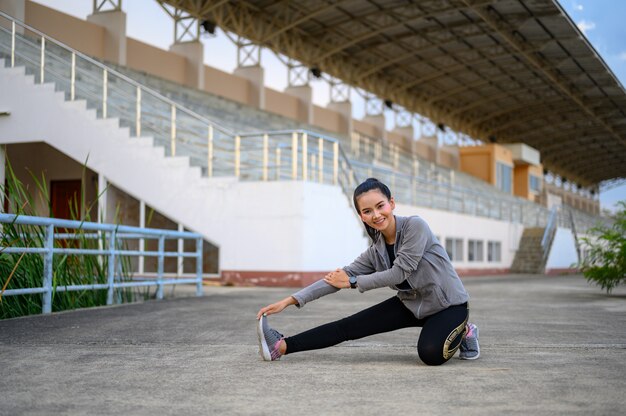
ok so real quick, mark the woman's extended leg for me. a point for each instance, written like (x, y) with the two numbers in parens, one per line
(383, 317)
(441, 334)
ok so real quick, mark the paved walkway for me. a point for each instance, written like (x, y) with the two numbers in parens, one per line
(550, 345)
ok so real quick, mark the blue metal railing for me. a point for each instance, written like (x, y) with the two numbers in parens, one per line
(111, 234)
(548, 233)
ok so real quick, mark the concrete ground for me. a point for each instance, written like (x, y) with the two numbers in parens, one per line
(549, 345)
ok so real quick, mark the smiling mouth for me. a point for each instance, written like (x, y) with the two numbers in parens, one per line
(379, 221)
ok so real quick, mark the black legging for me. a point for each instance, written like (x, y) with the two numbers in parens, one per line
(438, 341)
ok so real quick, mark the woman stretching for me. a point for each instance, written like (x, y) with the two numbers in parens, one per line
(404, 255)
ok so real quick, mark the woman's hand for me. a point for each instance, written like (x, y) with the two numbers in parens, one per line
(338, 279)
(276, 307)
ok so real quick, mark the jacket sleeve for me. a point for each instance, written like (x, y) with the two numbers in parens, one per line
(362, 265)
(408, 257)
(313, 291)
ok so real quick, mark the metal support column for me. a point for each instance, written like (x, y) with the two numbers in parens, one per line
(46, 301)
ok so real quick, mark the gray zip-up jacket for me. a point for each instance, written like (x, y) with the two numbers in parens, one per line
(420, 260)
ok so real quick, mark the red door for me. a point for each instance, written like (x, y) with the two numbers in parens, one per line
(66, 201)
(66, 204)
(6, 196)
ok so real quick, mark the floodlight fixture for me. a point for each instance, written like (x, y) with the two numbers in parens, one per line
(316, 72)
(208, 26)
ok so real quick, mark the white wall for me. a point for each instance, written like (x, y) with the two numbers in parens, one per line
(450, 224)
(282, 226)
(333, 235)
(563, 253)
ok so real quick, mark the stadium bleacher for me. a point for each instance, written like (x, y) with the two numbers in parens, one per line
(430, 185)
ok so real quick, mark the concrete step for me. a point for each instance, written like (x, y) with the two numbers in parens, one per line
(529, 257)
(143, 141)
(534, 232)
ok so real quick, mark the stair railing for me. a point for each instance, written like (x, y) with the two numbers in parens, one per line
(112, 94)
(181, 131)
(573, 226)
(296, 155)
(548, 234)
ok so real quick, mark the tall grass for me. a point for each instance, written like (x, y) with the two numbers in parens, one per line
(26, 271)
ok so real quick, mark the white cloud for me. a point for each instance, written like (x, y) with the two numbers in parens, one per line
(622, 56)
(578, 7)
(586, 26)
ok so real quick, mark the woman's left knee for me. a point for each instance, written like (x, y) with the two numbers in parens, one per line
(431, 354)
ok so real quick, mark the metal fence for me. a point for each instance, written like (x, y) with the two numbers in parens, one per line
(110, 249)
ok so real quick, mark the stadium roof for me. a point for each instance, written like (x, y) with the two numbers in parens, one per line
(501, 70)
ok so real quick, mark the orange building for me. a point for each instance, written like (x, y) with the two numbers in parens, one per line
(492, 163)
(527, 173)
(512, 168)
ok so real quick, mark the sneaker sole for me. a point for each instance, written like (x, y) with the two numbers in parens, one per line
(264, 350)
(478, 345)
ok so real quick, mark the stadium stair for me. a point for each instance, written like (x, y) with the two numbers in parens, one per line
(530, 257)
(128, 162)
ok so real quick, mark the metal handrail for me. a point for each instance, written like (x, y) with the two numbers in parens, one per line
(548, 234)
(575, 234)
(110, 233)
(117, 74)
(209, 125)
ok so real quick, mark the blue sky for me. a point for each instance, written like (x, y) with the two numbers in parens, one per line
(602, 22)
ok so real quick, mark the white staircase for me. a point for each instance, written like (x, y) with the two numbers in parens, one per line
(256, 225)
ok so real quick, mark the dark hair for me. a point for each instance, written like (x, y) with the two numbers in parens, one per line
(369, 185)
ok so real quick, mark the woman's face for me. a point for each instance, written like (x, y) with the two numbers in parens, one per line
(376, 210)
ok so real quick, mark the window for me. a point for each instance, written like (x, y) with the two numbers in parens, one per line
(494, 248)
(504, 177)
(535, 183)
(454, 247)
(475, 250)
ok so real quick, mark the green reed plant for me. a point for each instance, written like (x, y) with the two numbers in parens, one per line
(26, 270)
(605, 263)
